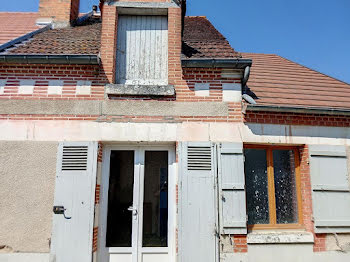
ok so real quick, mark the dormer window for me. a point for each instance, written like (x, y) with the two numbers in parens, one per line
(142, 50)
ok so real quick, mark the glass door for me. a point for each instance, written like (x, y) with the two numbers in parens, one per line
(137, 227)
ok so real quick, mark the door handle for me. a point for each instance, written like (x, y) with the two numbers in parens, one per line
(60, 210)
(133, 210)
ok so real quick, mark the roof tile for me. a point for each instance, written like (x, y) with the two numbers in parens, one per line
(277, 81)
(16, 24)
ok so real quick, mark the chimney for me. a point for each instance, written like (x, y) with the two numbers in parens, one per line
(60, 13)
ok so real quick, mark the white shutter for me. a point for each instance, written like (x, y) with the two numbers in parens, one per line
(232, 197)
(74, 193)
(330, 188)
(197, 203)
(142, 50)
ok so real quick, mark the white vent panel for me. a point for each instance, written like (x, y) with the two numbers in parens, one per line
(199, 158)
(75, 158)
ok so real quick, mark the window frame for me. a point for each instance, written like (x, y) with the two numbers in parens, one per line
(271, 188)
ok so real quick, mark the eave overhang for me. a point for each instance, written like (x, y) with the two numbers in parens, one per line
(299, 110)
(217, 63)
(50, 59)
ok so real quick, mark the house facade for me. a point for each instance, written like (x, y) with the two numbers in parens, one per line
(139, 134)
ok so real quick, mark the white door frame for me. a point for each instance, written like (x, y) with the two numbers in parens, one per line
(103, 251)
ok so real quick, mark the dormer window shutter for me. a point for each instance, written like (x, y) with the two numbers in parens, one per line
(142, 50)
(329, 168)
(232, 196)
(73, 210)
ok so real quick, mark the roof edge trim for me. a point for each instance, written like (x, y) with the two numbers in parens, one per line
(23, 37)
(214, 63)
(50, 59)
(300, 110)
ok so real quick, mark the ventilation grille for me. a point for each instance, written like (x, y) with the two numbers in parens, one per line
(199, 158)
(74, 158)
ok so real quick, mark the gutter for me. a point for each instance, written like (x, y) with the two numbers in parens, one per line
(23, 38)
(300, 110)
(213, 63)
(50, 59)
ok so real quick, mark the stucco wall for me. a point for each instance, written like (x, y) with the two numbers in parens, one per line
(27, 178)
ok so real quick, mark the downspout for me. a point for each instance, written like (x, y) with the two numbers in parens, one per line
(244, 82)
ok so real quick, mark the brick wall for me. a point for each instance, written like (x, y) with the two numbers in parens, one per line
(42, 74)
(60, 10)
(296, 119)
(109, 42)
(240, 244)
(306, 192)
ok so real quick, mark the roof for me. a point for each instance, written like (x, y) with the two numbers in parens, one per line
(202, 40)
(274, 81)
(16, 24)
(277, 81)
(82, 39)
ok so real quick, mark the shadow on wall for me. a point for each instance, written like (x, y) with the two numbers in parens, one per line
(298, 131)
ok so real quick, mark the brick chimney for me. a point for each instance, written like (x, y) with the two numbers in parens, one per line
(59, 12)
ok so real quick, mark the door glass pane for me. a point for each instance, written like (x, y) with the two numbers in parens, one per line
(120, 198)
(285, 186)
(155, 206)
(255, 168)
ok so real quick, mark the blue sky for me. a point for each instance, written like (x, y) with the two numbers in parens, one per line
(315, 33)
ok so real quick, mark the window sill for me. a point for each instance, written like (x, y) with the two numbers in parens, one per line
(140, 90)
(280, 238)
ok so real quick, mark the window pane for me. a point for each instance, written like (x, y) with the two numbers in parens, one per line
(255, 168)
(155, 205)
(285, 186)
(120, 198)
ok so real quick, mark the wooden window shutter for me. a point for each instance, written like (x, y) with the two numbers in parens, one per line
(232, 196)
(73, 211)
(142, 50)
(330, 188)
(197, 202)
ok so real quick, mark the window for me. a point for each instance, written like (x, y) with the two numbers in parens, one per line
(272, 187)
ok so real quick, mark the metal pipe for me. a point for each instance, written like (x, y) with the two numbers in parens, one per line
(214, 63)
(301, 110)
(50, 59)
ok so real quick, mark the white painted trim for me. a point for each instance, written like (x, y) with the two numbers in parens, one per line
(280, 238)
(26, 87)
(202, 89)
(103, 251)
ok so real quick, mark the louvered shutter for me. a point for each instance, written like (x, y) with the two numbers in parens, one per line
(197, 203)
(232, 197)
(75, 192)
(330, 188)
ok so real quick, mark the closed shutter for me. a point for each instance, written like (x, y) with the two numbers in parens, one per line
(330, 188)
(232, 197)
(197, 203)
(142, 50)
(74, 202)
